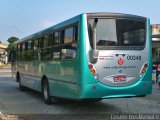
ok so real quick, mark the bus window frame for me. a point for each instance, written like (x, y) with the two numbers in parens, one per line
(64, 44)
(51, 43)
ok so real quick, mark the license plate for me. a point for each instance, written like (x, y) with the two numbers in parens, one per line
(120, 78)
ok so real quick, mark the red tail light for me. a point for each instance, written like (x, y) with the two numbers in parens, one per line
(88, 15)
(144, 69)
(145, 65)
(92, 69)
(90, 66)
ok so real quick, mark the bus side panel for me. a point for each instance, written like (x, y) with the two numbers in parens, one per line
(63, 78)
(27, 74)
(14, 70)
(63, 89)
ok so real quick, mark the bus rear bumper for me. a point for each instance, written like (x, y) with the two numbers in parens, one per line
(99, 90)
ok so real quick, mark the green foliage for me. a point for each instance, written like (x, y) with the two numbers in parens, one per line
(11, 40)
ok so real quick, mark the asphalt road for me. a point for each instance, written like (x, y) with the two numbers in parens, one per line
(28, 105)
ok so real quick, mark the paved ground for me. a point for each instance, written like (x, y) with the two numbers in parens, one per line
(155, 96)
(5, 72)
(29, 105)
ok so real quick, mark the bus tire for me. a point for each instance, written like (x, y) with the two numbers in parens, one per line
(93, 100)
(96, 100)
(45, 92)
(21, 87)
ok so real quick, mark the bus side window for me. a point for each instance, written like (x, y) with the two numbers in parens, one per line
(23, 52)
(20, 52)
(36, 44)
(45, 41)
(41, 42)
(35, 49)
(69, 45)
(32, 45)
(50, 40)
(56, 45)
(46, 51)
(56, 38)
(11, 56)
(29, 52)
(14, 54)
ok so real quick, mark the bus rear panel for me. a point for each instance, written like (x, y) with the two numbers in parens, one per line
(120, 66)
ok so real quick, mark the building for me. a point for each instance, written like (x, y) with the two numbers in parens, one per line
(3, 54)
(156, 42)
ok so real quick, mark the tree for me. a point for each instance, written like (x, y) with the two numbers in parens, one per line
(11, 40)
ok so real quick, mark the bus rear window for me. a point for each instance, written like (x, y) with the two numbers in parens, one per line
(119, 34)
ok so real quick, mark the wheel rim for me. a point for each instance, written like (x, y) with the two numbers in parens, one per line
(45, 92)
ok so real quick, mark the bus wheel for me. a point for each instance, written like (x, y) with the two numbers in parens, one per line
(45, 92)
(21, 87)
(93, 100)
(96, 100)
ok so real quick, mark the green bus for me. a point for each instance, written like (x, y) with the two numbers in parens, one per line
(91, 56)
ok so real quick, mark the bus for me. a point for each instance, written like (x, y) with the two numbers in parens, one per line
(92, 56)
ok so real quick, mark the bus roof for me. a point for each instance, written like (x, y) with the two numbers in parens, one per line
(115, 15)
(76, 18)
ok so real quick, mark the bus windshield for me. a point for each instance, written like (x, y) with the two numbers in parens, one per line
(118, 34)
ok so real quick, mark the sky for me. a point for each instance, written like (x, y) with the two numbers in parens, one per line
(21, 18)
